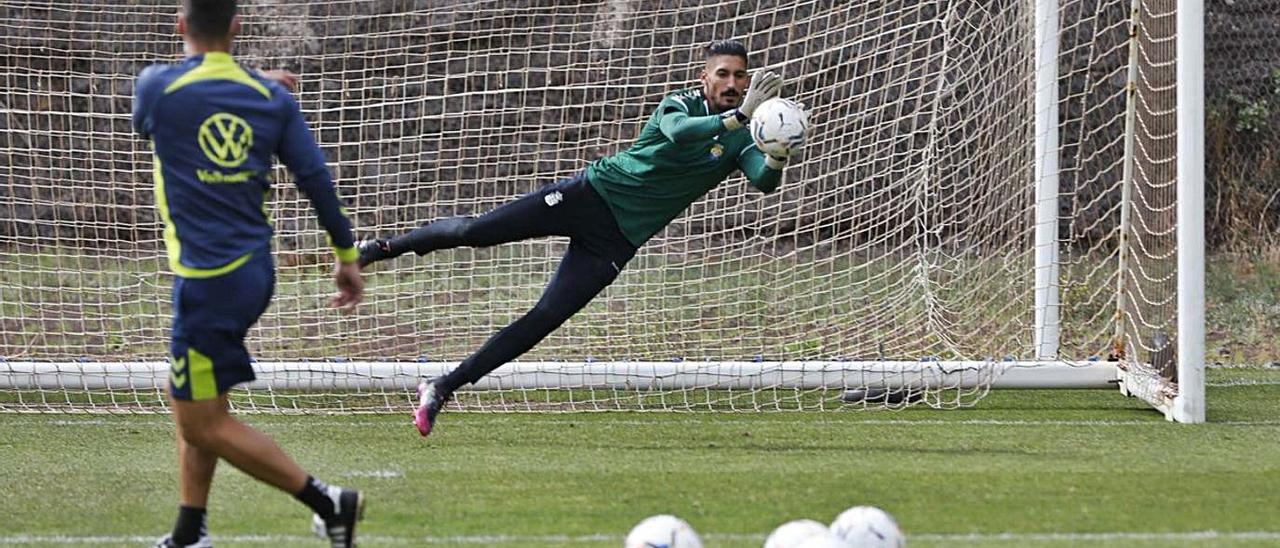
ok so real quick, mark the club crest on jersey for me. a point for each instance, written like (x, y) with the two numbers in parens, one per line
(553, 198)
(717, 150)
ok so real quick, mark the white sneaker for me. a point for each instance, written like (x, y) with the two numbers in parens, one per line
(205, 541)
(341, 532)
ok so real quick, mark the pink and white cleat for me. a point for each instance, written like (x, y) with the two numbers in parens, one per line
(430, 401)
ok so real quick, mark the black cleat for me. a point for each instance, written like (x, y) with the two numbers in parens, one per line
(430, 401)
(373, 250)
(348, 510)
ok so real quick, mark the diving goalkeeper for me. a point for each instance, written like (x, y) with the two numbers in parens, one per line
(695, 140)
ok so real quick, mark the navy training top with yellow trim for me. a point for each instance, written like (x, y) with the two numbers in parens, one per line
(214, 128)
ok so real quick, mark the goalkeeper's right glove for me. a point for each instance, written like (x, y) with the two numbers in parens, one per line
(763, 87)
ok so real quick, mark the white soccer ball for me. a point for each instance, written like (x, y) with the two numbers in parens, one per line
(868, 527)
(663, 531)
(794, 533)
(779, 126)
(826, 539)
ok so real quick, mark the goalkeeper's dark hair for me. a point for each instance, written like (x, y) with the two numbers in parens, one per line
(727, 47)
(209, 19)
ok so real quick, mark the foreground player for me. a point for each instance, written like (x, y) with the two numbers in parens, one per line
(214, 128)
(693, 142)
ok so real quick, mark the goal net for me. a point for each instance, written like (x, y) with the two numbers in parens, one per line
(933, 239)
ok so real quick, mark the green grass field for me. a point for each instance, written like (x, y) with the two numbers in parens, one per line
(1040, 468)
(57, 306)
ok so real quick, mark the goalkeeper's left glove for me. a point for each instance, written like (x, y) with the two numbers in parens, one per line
(763, 87)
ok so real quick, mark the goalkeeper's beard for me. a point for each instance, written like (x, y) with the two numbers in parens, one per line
(728, 102)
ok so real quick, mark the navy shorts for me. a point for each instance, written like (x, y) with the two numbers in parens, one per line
(210, 319)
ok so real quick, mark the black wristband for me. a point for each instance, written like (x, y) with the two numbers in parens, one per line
(735, 119)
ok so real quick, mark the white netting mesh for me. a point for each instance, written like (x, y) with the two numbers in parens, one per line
(1149, 285)
(905, 231)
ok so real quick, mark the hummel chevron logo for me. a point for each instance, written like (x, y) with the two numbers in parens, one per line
(178, 372)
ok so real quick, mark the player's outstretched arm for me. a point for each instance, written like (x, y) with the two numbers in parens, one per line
(299, 152)
(681, 128)
(762, 170)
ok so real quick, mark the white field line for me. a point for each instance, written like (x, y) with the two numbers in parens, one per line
(598, 538)
(1244, 382)
(319, 420)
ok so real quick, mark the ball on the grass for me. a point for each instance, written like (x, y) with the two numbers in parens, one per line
(663, 531)
(868, 527)
(825, 540)
(793, 533)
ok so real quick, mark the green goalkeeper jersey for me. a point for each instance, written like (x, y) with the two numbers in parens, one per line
(682, 153)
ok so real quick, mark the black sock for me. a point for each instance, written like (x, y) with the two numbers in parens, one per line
(452, 381)
(190, 525)
(393, 247)
(433, 236)
(314, 494)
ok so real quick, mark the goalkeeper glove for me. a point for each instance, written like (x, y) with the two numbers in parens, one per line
(763, 87)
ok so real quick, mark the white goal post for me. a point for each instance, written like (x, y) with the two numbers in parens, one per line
(995, 194)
